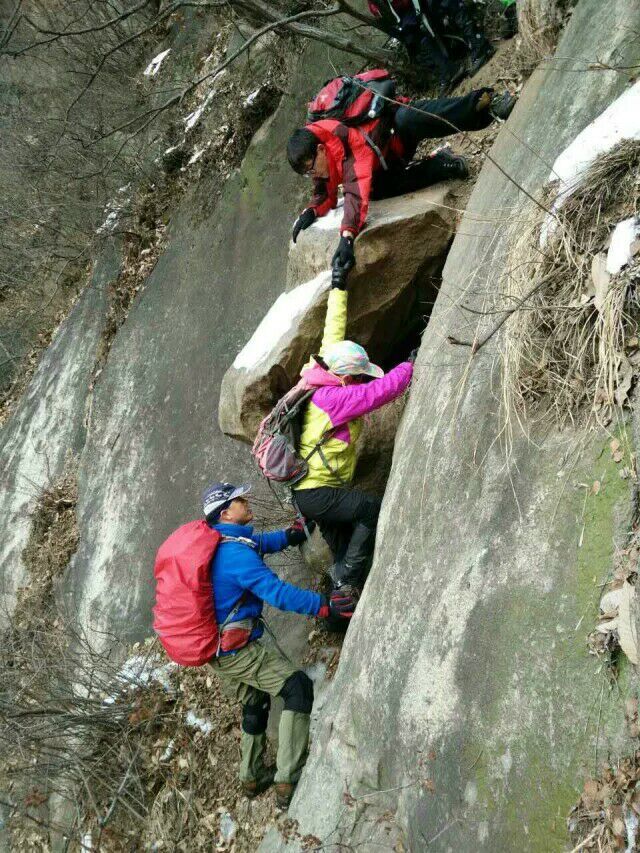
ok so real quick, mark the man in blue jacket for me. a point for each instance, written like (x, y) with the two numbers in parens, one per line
(250, 671)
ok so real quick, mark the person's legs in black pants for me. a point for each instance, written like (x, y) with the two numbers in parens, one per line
(437, 117)
(400, 179)
(335, 510)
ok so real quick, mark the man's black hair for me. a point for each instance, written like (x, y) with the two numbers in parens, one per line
(301, 149)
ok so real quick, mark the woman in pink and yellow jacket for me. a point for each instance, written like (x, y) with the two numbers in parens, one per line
(349, 386)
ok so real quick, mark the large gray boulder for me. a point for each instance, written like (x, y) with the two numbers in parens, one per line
(48, 427)
(399, 253)
(466, 711)
(153, 442)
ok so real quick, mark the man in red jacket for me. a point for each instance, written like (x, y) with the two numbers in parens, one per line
(372, 160)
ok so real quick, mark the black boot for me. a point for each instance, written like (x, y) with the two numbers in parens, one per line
(443, 166)
(509, 24)
(480, 48)
(351, 570)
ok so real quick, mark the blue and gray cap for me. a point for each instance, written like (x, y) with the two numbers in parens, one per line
(218, 495)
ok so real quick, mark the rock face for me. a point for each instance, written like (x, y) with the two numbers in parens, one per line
(399, 255)
(467, 656)
(150, 440)
(50, 421)
(153, 442)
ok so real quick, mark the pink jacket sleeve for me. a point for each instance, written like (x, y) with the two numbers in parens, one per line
(352, 401)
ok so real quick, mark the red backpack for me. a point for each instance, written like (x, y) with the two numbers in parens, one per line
(345, 99)
(184, 617)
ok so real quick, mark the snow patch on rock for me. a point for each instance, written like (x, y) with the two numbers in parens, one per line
(621, 120)
(154, 66)
(280, 319)
(332, 220)
(622, 239)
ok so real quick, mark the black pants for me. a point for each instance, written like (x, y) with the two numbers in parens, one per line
(437, 117)
(400, 179)
(337, 511)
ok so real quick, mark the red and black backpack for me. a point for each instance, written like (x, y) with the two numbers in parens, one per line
(350, 100)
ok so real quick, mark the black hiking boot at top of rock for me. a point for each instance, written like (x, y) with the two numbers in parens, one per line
(502, 105)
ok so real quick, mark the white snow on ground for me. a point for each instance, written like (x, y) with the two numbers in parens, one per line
(205, 726)
(251, 98)
(621, 120)
(193, 118)
(109, 224)
(332, 220)
(619, 254)
(141, 670)
(280, 319)
(197, 154)
(154, 66)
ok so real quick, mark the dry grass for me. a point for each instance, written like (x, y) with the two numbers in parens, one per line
(568, 349)
(539, 25)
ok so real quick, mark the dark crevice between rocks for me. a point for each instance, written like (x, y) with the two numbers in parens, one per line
(378, 439)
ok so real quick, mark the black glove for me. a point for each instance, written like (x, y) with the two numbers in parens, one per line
(306, 218)
(413, 355)
(296, 534)
(344, 256)
(341, 605)
(339, 277)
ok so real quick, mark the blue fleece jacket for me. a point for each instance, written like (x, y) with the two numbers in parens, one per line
(238, 568)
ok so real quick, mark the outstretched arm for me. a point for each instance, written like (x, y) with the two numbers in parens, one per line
(335, 324)
(271, 542)
(352, 401)
(267, 586)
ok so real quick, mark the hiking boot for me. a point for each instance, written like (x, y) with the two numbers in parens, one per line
(284, 794)
(509, 23)
(450, 76)
(501, 105)
(481, 53)
(452, 165)
(260, 785)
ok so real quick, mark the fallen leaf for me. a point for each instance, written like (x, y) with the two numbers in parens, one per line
(624, 381)
(595, 489)
(618, 456)
(601, 279)
(591, 788)
(631, 707)
(610, 601)
(614, 445)
(627, 631)
(625, 473)
(618, 827)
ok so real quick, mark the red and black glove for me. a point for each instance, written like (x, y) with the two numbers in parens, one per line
(296, 534)
(341, 605)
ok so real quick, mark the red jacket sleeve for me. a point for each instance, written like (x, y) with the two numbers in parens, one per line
(357, 174)
(323, 199)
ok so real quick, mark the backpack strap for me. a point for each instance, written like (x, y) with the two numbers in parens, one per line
(326, 435)
(374, 148)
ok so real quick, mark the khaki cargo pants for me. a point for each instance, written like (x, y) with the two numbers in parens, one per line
(246, 675)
